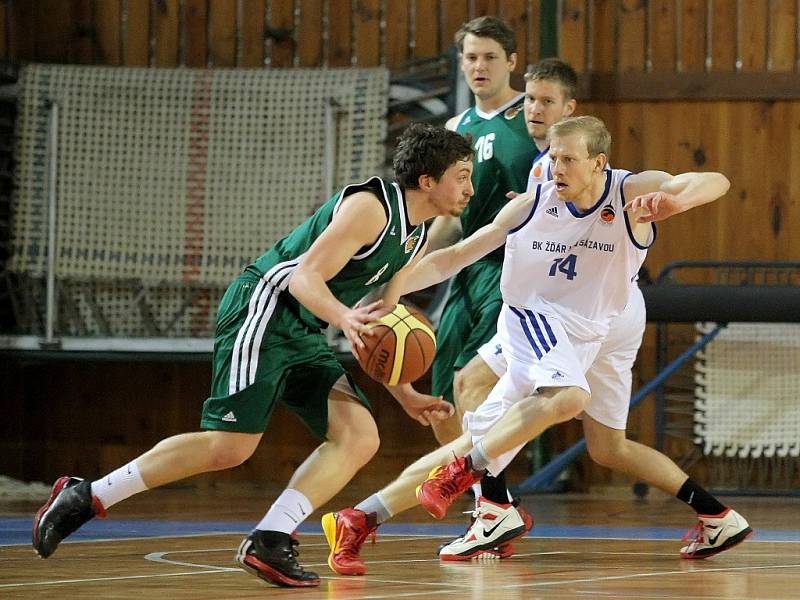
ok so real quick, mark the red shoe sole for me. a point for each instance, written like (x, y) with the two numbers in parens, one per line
(715, 551)
(267, 573)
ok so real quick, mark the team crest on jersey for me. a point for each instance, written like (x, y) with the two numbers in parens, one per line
(377, 275)
(607, 214)
(537, 171)
(411, 243)
(512, 112)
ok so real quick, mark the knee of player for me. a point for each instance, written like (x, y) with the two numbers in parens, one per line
(470, 389)
(601, 454)
(225, 452)
(571, 402)
(606, 452)
(361, 443)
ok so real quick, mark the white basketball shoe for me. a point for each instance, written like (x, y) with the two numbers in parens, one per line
(715, 533)
(494, 526)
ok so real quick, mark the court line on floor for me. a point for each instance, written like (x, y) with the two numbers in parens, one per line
(454, 588)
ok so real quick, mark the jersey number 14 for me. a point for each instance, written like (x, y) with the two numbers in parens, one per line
(565, 265)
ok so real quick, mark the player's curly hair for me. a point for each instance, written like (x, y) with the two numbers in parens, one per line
(424, 149)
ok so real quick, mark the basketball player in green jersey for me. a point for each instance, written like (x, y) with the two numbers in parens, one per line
(269, 347)
(506, 146)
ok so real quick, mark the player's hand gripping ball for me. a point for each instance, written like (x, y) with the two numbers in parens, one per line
(401, 348)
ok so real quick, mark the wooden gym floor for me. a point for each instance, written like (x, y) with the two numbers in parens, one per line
(179, 543)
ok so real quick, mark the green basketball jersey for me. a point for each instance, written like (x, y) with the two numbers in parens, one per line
(371, 267)
(504, 152)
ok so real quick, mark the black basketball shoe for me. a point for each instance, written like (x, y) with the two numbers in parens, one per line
(70, 505)
(272, 556)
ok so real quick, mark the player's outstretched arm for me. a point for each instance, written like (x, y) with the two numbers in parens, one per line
(657, 195)
(358, 223)
(443, 264)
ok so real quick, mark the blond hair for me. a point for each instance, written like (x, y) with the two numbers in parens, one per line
(593, 130)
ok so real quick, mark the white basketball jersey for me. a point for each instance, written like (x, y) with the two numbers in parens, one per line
(575, 264)
(540, 169)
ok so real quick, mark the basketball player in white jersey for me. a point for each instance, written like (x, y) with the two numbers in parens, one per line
(573, 245)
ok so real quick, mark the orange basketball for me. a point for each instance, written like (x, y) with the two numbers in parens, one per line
(401, 349)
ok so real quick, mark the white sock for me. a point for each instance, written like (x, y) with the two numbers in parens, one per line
(477, 490)
(286, 513)
(118, 485)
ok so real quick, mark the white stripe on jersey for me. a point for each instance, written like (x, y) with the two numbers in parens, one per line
(246, 348)
(575, 265)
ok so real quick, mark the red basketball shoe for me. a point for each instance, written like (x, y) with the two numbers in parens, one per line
(346, 532)
(445, 484)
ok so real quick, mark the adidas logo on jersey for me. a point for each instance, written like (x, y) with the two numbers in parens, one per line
(553, 211)
(230, 417)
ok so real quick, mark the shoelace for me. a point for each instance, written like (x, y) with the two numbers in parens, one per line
(292, 552)
(695, 535)
(351, 547)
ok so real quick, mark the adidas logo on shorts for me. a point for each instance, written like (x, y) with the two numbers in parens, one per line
(230, 417)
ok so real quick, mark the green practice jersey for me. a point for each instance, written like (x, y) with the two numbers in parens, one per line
(504, 152)
(371, 267)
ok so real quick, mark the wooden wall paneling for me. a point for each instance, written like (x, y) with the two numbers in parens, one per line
(108, 24)
(693, 43)
(164, 15)
(222, 33)
(743, 166)
(396, 40)
(251, 34)
(753, 19)
(195, 33)
(84, 44)
(534, 25)
(724, 35)
(340, 42)
(136, 33)
(603, 36)
(479, 8)
(367, 32)
(51, 30)
(5, 39)
(775, 168)
(454, 14)
(787, 250)
(281, 22)
(664, 32)
(783, 33)
(515, 12)
(631, 35)
(572, 32)
(309, 49)
(425, 26)
(629, 142)
(22, 18)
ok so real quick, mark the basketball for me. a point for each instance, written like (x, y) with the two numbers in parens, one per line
(401, 349)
